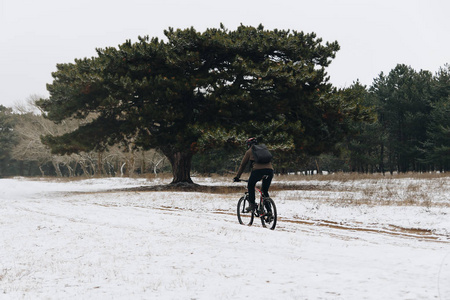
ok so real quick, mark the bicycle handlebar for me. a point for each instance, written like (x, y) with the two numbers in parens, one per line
(239, 180)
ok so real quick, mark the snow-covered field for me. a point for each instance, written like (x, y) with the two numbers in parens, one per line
(364, 239)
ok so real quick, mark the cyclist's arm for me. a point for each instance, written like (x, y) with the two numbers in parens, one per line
(243, 163)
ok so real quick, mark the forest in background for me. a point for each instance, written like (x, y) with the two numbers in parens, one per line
(188, 102)
(411, 133)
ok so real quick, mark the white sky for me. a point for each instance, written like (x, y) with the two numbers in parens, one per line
(374, 35)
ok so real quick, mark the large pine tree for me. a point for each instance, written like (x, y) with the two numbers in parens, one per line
(196, 90)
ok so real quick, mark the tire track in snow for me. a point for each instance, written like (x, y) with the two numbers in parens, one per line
(390, 230)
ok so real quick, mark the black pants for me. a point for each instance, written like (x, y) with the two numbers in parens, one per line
(256, 176)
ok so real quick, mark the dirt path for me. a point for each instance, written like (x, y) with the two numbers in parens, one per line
(389, 230)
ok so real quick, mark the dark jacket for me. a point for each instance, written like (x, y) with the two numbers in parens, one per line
(255, 166)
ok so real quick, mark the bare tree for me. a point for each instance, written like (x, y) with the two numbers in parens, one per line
(124, 160)
(29, 130)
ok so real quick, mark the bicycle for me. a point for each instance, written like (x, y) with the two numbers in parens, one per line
(266, 210)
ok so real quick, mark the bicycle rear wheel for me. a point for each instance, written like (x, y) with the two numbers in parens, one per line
(269, 219)
(245, 218)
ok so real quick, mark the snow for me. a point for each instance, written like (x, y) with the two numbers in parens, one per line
(83, 240)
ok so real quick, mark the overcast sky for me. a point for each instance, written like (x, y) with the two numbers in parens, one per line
(374, 35)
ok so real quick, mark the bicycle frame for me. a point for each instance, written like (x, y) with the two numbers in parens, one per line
(267, 214)
(261, 200)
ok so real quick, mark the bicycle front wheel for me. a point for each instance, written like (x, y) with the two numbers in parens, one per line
(269, 219)
(244, 217)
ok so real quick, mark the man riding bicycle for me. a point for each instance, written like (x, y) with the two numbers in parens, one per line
(259, 171)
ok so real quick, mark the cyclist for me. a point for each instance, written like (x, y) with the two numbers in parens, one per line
(259, 171)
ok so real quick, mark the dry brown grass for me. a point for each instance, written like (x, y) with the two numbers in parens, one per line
(424, 190)
(344, 177)
(340, 189)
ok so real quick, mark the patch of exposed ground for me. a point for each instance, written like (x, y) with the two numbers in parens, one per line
(225, 189)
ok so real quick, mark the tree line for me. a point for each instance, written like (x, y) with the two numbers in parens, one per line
(24, 154)
(409, 131)
(189, 102)
(412, 128)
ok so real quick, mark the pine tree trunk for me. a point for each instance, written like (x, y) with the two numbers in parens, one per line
(57, 169)
(42, 171)
(83, 167)
(181, 165)
(100, 166)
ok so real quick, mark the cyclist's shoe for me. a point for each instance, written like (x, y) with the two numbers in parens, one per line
(269, 217)
(260, 211)
(250, 208)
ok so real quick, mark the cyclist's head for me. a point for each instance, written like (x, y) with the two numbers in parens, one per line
(251, 141)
